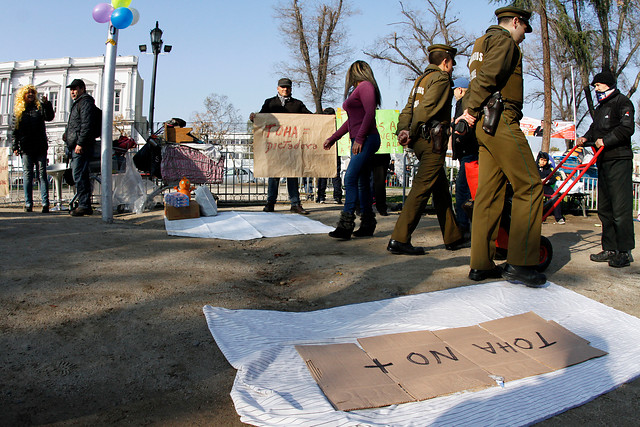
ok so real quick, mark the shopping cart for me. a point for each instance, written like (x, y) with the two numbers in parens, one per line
(581, 169)
(199, 163)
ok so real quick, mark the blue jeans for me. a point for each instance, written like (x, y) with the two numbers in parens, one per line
(80, 168)
(40, 165)
(292, 188)
(357, 179)
(463, 193)
(307, 184)
(336, 181)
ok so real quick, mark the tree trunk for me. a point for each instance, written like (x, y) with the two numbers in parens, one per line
(546, 60)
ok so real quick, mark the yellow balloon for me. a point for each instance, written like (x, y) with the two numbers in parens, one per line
(120, 3)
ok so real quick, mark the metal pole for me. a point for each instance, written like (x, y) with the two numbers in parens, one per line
(106, 151)
(153, 88)
(573, 95)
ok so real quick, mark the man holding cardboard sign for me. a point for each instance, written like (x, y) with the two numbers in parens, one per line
(283, 102)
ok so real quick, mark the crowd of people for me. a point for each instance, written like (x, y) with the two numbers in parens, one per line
(485, 134)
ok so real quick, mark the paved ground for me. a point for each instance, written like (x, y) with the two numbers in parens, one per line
(103, 324)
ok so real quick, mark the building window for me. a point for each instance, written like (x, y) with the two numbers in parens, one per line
(53, 97)
(116, 103)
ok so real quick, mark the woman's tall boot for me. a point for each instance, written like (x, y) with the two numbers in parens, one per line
(367, 225)
(345, 226)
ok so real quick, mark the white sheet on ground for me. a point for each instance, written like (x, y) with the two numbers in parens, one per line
(234, 225)
(274, 387)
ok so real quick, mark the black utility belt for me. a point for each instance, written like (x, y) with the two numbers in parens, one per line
(427, 130)
(435, 132)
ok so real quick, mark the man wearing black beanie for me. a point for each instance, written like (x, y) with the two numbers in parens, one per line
(612, 127)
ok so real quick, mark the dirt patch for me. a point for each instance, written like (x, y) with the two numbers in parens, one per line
(103, 323)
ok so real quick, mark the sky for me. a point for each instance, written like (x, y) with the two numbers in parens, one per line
(229, 48)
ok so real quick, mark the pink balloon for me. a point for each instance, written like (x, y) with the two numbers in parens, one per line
(102, 12)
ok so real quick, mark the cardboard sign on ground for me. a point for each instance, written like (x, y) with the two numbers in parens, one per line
(342, 373)
(291, 145)
(425, 365)
(496, 357)
(546, 342)
(412, 366)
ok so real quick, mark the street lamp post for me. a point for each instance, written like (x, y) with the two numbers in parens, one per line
(156, 47)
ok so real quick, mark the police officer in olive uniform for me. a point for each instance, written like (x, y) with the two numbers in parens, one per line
(424, 125)
(505, 156)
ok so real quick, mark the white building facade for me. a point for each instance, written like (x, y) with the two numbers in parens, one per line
(51, 77)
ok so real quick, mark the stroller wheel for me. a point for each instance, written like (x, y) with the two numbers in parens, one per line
(546, 254)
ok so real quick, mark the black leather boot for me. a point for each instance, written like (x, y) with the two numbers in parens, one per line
(367, 225)
(345, 226)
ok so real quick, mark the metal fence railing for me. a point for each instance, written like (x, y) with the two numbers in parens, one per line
(239, 186)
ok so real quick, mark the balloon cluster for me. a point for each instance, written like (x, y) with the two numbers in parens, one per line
(118, 12)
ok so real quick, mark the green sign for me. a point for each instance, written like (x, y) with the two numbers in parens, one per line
(386, 122)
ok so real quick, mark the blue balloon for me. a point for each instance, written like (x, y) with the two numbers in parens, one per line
(121, 17)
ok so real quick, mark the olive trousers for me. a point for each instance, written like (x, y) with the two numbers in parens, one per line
(506, 157)
(431, 178)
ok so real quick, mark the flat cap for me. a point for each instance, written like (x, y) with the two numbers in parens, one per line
(516, 12)
(284, 82)
(605, 77)
(76, 83)
(442, 47)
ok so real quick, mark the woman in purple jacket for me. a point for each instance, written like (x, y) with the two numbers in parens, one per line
(362, 97)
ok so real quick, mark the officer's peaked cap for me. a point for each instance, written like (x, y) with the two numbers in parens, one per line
(442, 47)
(516, 12)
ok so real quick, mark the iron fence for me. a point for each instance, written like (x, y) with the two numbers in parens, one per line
(240, 187)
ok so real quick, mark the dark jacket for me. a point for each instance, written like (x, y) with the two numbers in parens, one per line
(30, 135)
(428, 102)
(613, 121)
(79, 125)
(291, 105)
(547, 170)
(462, 145)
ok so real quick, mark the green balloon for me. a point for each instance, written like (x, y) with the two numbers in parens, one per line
(120, 3)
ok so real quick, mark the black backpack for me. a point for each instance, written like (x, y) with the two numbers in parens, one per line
(96, 122)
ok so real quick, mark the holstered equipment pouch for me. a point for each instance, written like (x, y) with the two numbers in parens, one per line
(492, 112)
(438, 137)
(436, 133)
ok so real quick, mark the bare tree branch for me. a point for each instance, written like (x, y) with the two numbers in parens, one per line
(407, 47)
(316, 37)
(217, 120)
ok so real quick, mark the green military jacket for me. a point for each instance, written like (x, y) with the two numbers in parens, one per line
(495, 65)
(430, 99)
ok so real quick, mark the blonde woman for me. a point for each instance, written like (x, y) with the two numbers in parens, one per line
(30, 141)
(361, 99)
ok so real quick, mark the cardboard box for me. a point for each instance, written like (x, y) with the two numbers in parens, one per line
(173, 134)
(191, 211)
